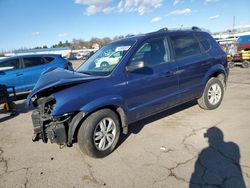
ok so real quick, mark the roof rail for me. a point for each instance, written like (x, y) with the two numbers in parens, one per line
(195, 28)
(129, 35)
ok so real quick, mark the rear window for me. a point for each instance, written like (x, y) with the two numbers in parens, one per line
(49, 59)
(33, 61)
(185, 45)
(9, 65)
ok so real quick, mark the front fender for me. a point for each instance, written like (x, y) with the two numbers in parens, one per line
(112, 100)
(102, 102)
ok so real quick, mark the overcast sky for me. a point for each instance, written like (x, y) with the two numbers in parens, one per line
(30, 23)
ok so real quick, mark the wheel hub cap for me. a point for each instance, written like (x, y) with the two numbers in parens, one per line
(214, 94)
(104, 134)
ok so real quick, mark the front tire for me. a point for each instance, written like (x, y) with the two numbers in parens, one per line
(99, 133)
(212, 95)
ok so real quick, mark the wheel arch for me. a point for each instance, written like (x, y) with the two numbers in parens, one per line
(216, 71)
(82, 115)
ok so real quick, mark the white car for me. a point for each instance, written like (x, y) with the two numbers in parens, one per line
(81, 55)
(112, 59)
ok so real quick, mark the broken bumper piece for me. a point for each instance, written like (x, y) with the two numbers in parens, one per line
(48, 128)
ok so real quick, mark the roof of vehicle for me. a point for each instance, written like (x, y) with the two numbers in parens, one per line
(40, 50)
(244, 39)
(160, 32)
(29, 55)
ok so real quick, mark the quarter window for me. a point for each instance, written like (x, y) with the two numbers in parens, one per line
(185, 45)
(153, 52)
(33, 61)
(204, 42)
(9, 65)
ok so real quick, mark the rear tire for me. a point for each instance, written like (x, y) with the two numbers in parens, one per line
(212, 95)
(99, 133)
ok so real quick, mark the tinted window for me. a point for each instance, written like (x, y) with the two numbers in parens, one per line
(204, 42)
(153, 52)
(49, 59)
(185, 45)
(9, 65)
(33, 61)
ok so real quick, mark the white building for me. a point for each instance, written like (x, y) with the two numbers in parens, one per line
(62, 51)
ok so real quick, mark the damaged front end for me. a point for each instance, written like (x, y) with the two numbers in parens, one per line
(47, 127)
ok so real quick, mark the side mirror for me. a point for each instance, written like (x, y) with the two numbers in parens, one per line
(135, 66)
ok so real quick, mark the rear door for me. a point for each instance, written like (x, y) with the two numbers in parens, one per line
(154, 87)
(33, 67)
(10, 71)
(193, 64)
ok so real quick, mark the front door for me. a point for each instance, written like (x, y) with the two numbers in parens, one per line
(154, 87)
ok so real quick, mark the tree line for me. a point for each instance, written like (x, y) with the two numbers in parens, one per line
(81, 43)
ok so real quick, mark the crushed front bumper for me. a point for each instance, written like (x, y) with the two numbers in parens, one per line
(48, 128)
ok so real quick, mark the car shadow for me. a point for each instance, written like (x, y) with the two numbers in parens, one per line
(218, 165)
(19, 108)
(136, 127)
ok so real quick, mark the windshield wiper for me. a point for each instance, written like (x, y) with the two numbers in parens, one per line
(84, 72)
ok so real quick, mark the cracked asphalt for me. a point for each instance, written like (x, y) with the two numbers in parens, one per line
(166, 150)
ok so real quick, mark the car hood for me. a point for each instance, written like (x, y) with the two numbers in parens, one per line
(58, 78)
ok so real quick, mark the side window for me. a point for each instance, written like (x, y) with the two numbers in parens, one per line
(204, 42)
(33, 61)
(153, 52)
(48, 59)
(185, 45)
(9, 65)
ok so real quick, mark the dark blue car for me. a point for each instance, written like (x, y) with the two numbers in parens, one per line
(155, 71)
(22, 72)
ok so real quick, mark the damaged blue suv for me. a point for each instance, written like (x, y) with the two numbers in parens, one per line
(126, 81)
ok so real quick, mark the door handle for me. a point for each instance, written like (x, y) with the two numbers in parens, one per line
(19, 74)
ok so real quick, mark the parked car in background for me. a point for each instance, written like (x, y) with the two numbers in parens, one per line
(156, 71)
(22, 72)
(72, 56)
(82, 55)
(243, 42)
(112, 59)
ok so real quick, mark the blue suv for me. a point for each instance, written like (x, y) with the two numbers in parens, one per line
(154, 72)
(22, 72)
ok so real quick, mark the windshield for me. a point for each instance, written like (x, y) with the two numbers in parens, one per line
(103, 62)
